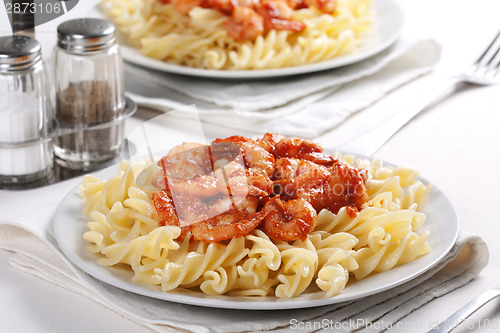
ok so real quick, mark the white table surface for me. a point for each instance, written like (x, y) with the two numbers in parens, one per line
(455, 145)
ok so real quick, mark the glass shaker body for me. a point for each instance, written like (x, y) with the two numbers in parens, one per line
(89, 85)
(26, 113)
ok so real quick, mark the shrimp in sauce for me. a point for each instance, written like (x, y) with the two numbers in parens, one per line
(325, 6)
(185, 6)
(239, 221)
(256, 157)
(294, 176)
(204, 170)
(228, 6)
(183, 162)
(226, 226)
(345, 187)
(269, 141)
(277, 15)
(302, 149)
(248, 19)
(167, 213)
(276, 183)
(244, 24)
(288, 221)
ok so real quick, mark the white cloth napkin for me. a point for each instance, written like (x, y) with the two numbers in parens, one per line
(35, 251)
(305, 105)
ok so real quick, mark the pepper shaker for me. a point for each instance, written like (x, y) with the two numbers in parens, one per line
(26, 113)
(89, 86)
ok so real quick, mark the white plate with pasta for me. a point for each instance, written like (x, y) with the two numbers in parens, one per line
(440, 229)
(386, 27)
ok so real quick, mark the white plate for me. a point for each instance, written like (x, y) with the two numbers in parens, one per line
(70, 225)
(388, 27)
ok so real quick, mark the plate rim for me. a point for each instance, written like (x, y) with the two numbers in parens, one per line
(93, 269)
(133, 56)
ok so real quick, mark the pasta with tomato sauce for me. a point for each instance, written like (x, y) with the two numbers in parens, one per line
(275, 216)
(242, 34)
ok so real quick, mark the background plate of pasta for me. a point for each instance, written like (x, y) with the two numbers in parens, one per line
(308, 228)
(251, 38)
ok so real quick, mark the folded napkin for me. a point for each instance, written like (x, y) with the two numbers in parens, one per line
(35, 251)
(305, 105)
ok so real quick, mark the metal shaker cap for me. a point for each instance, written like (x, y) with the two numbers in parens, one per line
(85, 35)
(18, 53)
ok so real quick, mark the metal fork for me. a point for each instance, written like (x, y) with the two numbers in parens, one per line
(450, 323)
(484, 71)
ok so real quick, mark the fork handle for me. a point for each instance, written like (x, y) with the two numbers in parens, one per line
(461, 315)
(367, 144)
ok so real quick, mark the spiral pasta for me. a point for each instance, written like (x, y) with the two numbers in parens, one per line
(199, 39)
(385, 233)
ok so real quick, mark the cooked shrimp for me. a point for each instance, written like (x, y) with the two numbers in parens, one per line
(228, 218)
(226, 226)
(353, 182)
(191, 172)
(237, 180)
(190, 209)
(226, 155)
(243, 183)
(234, 184)
(269, 141)
(296, 4)
(239, 221)
(228, 6)
(256, 158)
(201, 185)
(247, 205)
(244, 24)
(294, 176)
(185, 6)
(326, 6)
(165, 208)
(256, 178)
(186, 161)
(188, 169)
(302, 149)
(160, 181)
(277, 15)
(259, 181)
(232, 179)
(288, 221)
(293, 168)
(345, 186)
(248, 19)
(183, 162)
(167, 213)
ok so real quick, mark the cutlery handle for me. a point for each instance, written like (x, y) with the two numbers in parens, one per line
(367, 144)
(461, 315)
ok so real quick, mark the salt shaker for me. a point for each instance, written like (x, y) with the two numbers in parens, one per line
(89, 86)
(26, 114)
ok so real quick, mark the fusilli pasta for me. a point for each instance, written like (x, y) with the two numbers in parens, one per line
(123, 229)
(199, 39)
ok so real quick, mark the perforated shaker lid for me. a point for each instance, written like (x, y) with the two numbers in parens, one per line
(18, 53)
(85, 35)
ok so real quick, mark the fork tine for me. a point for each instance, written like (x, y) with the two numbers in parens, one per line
(488, 49)
(493, 58)
(496, 62)
(490, 68)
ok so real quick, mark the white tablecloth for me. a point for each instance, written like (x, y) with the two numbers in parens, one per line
(455, 145)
